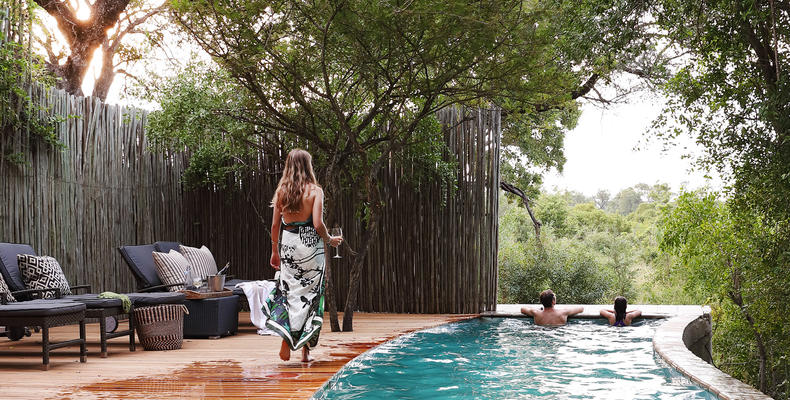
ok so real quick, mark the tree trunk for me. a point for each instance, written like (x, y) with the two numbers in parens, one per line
(359, 260)
(331, 302)
(737, 298)
(107, 73)
(369, 235)
(74, 70)
(83, 37)
(330, 205)
(520, 193)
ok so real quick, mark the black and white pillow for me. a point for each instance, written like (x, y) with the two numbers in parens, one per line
(4, 289)
(201, 259)
(171, 268)
(43, 272)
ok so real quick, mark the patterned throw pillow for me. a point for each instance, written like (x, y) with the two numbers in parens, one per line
(4, 289)
(202, 260)
(171, 267)
(43, 272)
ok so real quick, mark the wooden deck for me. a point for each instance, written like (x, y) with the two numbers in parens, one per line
(244, 366)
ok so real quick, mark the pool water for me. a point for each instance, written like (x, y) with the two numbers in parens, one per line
(512, 358)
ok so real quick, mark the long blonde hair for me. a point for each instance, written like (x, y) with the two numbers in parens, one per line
(297, 175)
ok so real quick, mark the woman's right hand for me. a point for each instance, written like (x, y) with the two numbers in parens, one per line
(335, 241)
(275, 261)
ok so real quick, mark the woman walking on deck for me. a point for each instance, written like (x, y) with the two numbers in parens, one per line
(295, 308)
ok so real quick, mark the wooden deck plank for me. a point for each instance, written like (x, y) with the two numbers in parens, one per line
(242, 366)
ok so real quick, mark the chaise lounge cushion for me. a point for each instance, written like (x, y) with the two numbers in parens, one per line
(171, 268)
(141, 261)
(40, 308)
(153, 299)
(201, 259)
(94, 301)
(9, 267)
(165, 247)
(43, 272)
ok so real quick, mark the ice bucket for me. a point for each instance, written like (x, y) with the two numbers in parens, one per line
(216, 283)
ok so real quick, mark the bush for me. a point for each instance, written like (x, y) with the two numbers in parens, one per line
(526, 269)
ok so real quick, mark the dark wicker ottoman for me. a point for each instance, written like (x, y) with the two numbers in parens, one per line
(47, 314)
(212, 318)
(158, 319)
(160, 327)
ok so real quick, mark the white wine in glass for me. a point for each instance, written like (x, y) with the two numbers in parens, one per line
(339, 233)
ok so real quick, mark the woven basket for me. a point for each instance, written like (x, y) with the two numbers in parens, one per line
(160, 327)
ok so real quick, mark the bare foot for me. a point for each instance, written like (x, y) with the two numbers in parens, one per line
(306, 355)
(285, 351)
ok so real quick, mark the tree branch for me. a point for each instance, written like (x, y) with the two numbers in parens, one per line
(520, 193)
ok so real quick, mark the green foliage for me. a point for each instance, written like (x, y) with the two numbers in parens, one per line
(609, 254)
(353, 82)
(552, 210)
(200, 113)
(625, 202)
(526, 269)
(21, 116)
(575, 45)
(585, 254)
(356, 79)
(731, 93)
(720, 255)
(586, 217)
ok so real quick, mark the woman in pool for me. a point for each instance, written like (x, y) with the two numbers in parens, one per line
(295, 308)
(618, 316)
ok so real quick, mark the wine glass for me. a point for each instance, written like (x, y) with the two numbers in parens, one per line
(336, 232)
(197, 282)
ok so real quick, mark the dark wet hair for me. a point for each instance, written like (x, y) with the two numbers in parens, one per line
(546, 297)
(620, 304)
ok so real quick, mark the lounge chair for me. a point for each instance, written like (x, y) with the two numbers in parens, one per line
(102, 309)
(46, 314)
(211, 318)
(140, 260)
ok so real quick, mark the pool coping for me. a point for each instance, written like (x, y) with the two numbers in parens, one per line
(668, 343)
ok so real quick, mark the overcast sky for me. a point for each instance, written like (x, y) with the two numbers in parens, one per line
(601, 153)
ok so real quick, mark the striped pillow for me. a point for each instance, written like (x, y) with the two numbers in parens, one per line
(202, 261)
(171, 268)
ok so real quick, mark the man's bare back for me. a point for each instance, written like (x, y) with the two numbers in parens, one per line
(550, 315)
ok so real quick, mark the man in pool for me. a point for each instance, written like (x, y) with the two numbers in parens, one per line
(550, 315)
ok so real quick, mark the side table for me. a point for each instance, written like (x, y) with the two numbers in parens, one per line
(212, 317)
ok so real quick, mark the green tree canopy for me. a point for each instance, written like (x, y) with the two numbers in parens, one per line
(730, 91)
(358, 83)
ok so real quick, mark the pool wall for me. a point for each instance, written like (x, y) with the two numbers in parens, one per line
(680, 338)
(683, 341)
(698, 337)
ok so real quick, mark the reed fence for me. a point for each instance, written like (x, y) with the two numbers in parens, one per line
(437, 248)
(102, 189)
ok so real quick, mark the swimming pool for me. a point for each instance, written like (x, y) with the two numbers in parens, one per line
(508, 358)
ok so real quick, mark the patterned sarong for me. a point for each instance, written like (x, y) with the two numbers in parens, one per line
(295, 308)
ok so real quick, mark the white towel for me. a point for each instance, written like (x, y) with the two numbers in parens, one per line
(257, 292)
